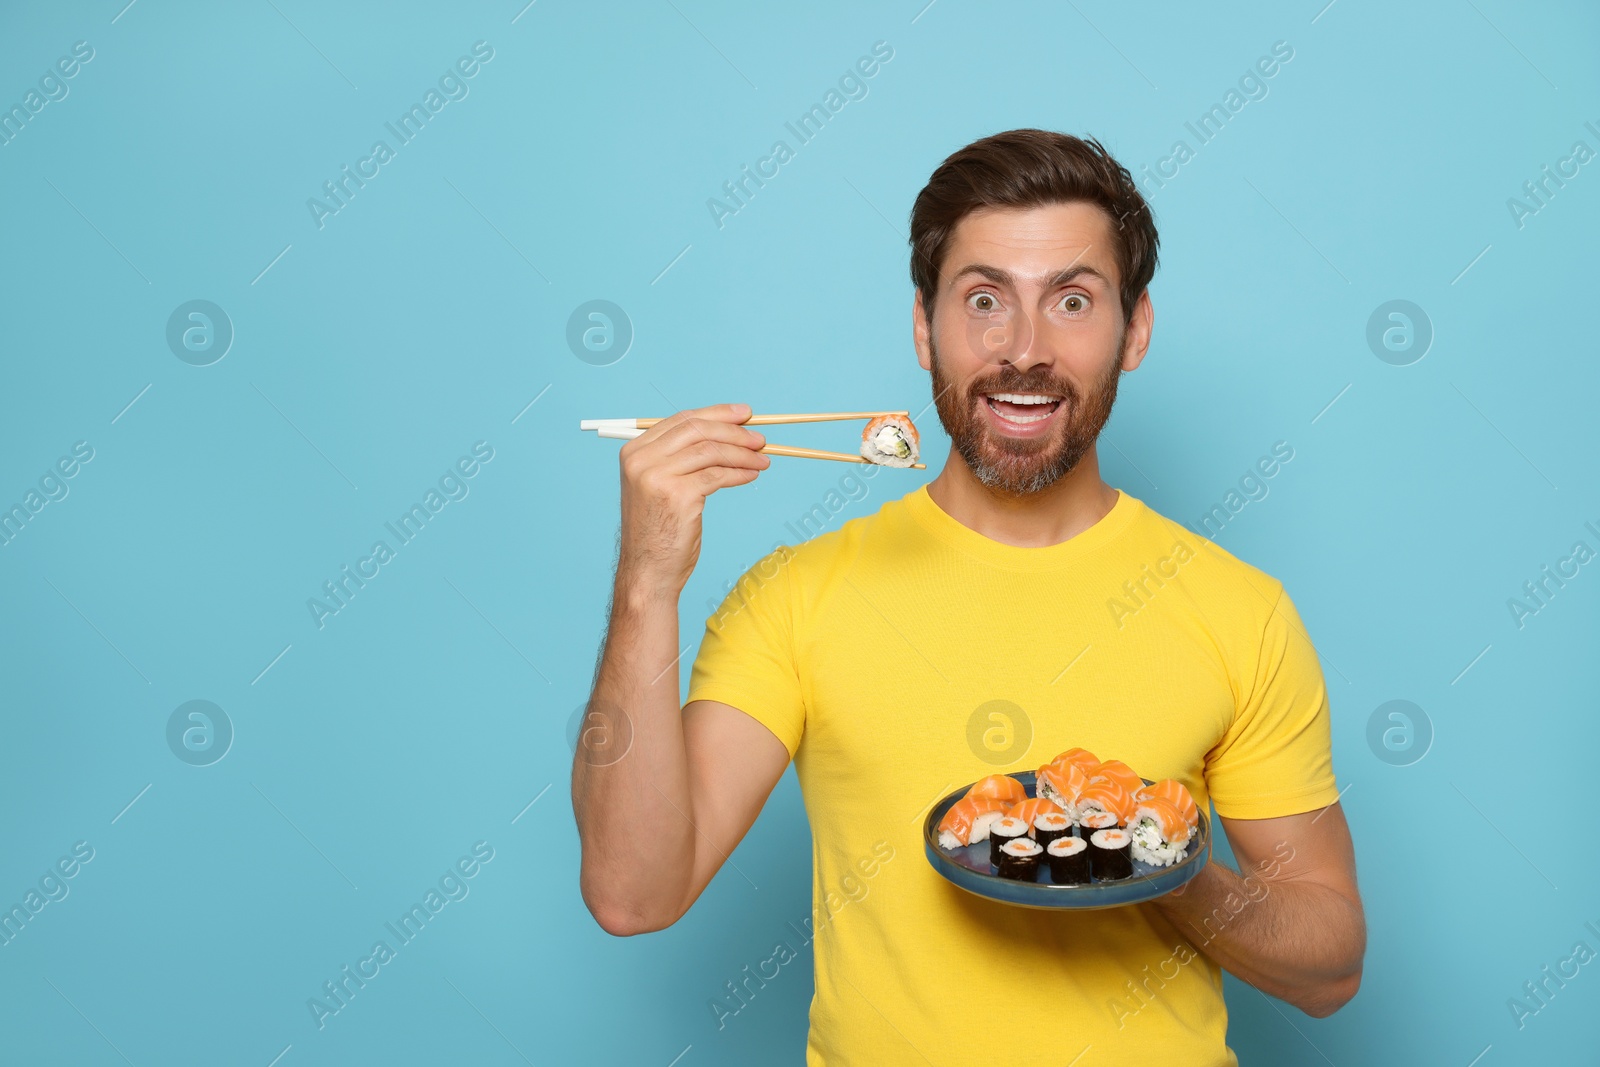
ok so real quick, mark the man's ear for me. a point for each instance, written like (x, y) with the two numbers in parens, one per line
(921, 333)
(1136, 341)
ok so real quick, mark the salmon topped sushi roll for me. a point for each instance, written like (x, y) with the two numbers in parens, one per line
(1105, 796)
(1031, 809)
(1116, 771)
(968, 821)
(1061, 781)
(1086, 761)
(1173, 791)
(1002, 787)
(1159, 832)
(891, 440)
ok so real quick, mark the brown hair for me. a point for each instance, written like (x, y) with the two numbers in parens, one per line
(1025, 168)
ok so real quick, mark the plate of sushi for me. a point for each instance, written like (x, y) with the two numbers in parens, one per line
(1077, 833)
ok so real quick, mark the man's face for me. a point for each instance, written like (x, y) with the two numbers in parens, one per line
(1028, 340)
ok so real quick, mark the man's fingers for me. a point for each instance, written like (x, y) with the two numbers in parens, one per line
(665, 439)
(702, 454)
(711, 479)
(693, 441)
(732, 414)
(659, 446)
(727, 412)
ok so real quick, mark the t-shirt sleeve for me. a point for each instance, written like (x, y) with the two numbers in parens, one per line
(1276, 757)
(747, 656)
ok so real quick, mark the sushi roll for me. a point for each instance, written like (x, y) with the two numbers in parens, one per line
(1098, 820)
(1085, 760)
(1031, 809)
(1159, 832)
(968, 821)
(890, 440)
(1069, 861)
(1110, 854)
(1106, 796)
(1060, 781)
(1173, 791)
(1002, 787)
(1123, 775)
(1050, 825)
(1019, 859)
(1002, 832)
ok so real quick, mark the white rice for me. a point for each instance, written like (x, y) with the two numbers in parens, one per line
(1148, 847)
(891, 446)
(1054, 796)
(1066, 846)
(1013, 827)
(1109, 838)
(980, 831)
(1090, 814)
(983, 824)
(1052, 821)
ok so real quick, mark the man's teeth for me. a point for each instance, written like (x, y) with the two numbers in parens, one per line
(1023, 398)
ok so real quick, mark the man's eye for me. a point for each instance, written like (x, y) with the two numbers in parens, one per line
(1075, 303)
(983, 302)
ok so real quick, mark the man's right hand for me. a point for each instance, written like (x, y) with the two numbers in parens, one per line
(667, 473)
(658, 818)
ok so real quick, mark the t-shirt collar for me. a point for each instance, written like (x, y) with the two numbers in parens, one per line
(929, 515)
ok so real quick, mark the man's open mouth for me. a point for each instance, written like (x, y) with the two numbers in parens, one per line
(1022, 409)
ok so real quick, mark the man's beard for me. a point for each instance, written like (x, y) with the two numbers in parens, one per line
(1019, 467)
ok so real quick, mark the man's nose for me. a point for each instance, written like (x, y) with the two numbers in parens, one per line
(1011, 338)
(1030, 343)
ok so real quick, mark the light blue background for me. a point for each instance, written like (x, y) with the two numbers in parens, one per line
(430, 311)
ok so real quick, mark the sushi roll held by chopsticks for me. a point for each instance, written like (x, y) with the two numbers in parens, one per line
(890, 440)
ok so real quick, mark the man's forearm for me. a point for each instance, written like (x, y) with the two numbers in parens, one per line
(631, 775)
(1298, 940)
(630, 779)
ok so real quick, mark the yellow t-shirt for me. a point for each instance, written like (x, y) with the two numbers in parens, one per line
(877, 654)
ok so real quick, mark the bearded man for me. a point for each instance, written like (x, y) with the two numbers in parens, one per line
(864, 654)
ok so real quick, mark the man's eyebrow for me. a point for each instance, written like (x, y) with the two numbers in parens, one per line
(1001, 276)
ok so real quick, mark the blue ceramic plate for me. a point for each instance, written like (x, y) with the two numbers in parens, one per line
(969, 868)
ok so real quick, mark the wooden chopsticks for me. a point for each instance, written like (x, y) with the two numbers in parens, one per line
(753, 420)
(627, 429)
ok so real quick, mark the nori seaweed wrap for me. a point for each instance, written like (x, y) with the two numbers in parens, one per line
(1111, 854)
(1019, 859)
(1069, 861)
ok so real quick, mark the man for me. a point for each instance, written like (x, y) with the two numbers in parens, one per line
(874, 656)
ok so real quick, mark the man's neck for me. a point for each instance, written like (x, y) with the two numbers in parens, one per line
(1036, 520)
